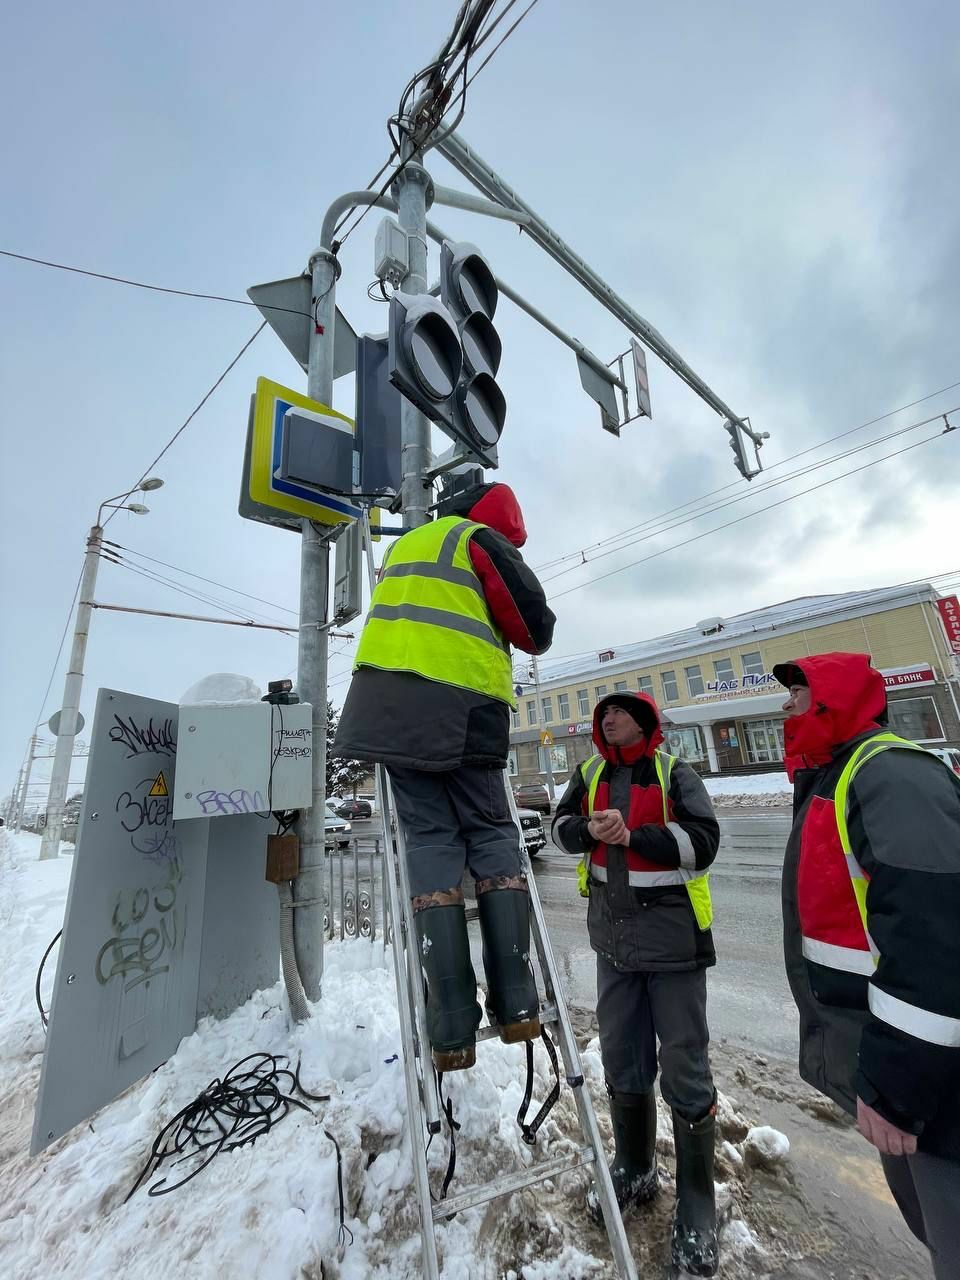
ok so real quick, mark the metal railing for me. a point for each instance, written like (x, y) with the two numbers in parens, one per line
(354, 901)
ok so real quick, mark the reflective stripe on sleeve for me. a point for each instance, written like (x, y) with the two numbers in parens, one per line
(935, 1028)
(688, 858)
(834, 957)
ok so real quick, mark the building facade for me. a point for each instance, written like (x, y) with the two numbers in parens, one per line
(715, 686)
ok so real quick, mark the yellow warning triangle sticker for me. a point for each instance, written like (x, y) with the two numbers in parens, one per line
(159, 787)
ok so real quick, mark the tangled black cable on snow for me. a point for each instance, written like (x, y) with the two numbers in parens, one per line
(43, 1013)
(231, 1113)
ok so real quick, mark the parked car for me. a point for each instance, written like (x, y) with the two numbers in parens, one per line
(355, 808)
(532, 795)
(949, 755)
(532, 827)
(336, 831)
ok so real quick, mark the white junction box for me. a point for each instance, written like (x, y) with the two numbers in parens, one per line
(242, 757)
(391, 256)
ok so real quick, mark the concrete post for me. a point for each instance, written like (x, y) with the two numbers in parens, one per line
(711, 748)
(27, 770)
(411, 188)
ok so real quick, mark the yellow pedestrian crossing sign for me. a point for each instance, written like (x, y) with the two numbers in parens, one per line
(546, 738)
(159, 787)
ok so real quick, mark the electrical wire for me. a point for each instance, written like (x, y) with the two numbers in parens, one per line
(151, 576)
(44, 1015)
(190, 574)
(549, 564)
(193, 413)
(56, 661)
(706, 533)
(154, 288)
(745, 496)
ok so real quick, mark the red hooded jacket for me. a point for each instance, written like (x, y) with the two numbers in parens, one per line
(848, 698)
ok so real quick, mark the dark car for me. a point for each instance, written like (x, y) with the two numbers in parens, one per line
(355, 809)
(533, 795)
(532, 826)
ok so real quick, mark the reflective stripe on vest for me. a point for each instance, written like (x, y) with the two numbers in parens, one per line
(924, 1024)
(698, 885)
(862, 960)
(428, 614)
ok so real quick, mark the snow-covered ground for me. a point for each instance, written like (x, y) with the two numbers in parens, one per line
(269, 1210)
(754, 790)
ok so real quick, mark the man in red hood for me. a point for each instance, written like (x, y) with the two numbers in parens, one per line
(871, 915)
(431, 696)
(643, 823)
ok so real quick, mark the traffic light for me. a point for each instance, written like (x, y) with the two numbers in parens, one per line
(742, 445)
(468, 288)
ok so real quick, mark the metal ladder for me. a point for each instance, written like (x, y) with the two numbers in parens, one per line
(423, 1102)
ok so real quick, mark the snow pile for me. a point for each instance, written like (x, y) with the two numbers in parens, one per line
(765, 1146)
(270, 1210)
(754, 790)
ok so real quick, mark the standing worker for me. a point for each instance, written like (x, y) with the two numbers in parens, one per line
(644, 824)
(431, 697)
(871, 933)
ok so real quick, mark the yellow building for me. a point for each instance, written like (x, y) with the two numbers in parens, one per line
(715, 687)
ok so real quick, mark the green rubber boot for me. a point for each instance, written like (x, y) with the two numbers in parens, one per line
(453, 1013)
(504, 908)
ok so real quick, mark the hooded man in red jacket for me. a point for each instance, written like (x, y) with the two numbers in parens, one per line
(431, 697)
(871, 917)
(644, 825)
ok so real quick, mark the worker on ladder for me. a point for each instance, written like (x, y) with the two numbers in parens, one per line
(430, 698)
(646, 832)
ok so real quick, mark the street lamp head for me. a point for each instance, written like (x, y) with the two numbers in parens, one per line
(154, 482)
(137, 508)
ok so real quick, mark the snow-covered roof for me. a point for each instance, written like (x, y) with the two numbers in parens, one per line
(785, 616)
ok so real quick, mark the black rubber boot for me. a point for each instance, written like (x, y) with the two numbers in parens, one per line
(453, 1013)
(504, 908)
(694, 1248)
(634, 1165)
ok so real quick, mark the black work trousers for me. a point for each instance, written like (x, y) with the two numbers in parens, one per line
(453, 820)
(634, 1011)
(927, 1191)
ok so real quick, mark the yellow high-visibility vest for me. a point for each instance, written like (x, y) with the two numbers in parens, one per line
(429, 616)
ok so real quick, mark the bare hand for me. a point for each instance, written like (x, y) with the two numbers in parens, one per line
(608, 827)
(880, 1133)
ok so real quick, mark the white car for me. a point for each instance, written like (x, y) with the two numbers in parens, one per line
(949, 755)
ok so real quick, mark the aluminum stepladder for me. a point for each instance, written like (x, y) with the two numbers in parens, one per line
(423, 1103)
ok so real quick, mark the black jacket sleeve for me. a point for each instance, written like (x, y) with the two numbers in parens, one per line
(569, 830)
(513, 592)
(692, 838)
(904, 823)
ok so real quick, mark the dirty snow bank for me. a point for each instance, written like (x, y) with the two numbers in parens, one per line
(270, 1210)
(753, 790)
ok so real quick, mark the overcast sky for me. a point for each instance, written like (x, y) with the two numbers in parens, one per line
(774, 188)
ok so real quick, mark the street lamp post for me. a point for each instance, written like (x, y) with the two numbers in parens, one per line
(73, 684)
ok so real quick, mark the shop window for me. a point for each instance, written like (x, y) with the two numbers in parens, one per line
(532, 711)
(583, 702)
(686, 744)
(671, 692)
(752, 663)
(620, 686)
(558, 758)
(694, 681)
(723, 668)
(764, 741)
(916, 719)
(563, 706)
(645, 684)
(547, 705)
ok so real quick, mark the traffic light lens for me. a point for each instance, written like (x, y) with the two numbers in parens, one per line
(436, 356)
(477, 287)
(482, 348)
(484, 409)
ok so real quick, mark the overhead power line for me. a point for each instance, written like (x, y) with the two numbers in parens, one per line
(190, 574)
(190, 417)
(615, 537)
(711, 509)
(706, 533)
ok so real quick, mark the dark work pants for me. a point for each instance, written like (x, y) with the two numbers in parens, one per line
(927, 1191)
(634, 1011)
(452, 820)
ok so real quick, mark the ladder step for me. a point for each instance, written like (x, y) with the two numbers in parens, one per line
(548, 1016)
(510, 1182)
